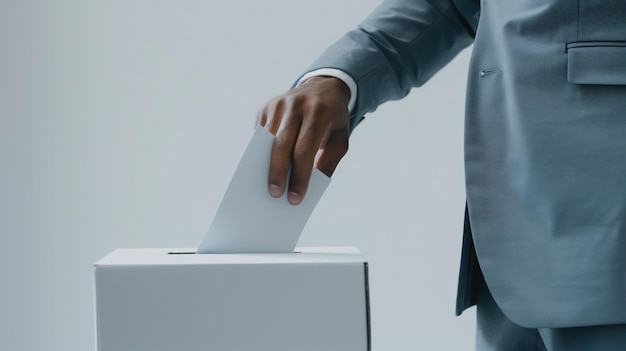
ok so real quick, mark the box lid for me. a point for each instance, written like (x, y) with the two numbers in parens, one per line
(187, 256)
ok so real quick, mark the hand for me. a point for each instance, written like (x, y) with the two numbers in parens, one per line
(310, 123)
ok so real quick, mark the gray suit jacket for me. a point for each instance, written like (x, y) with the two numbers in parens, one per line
(545, 144)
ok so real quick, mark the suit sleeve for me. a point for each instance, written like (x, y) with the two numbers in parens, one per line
(399, 46)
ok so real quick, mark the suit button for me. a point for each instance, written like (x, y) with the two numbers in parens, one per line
(488, 72)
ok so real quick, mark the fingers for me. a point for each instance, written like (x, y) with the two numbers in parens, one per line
(270, 116)
(282, 150)
(332, 151)
(305, 120)
(298, 137)
(308, 142)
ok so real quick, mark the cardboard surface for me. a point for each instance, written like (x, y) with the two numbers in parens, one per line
(149, 299)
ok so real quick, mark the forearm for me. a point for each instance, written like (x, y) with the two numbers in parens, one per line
(400, 45)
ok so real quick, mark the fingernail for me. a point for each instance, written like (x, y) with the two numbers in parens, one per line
(294, 198)
(274, 190)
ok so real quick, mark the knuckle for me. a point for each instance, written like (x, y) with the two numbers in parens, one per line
(272, 103)
(321, 109)
(282, 142)
(303, 154)
(297, 100)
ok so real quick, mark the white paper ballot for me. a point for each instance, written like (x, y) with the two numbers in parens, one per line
(249, 220)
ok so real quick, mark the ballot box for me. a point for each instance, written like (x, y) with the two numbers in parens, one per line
(173, 299)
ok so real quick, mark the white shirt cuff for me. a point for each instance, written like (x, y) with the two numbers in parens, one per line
(339, 74)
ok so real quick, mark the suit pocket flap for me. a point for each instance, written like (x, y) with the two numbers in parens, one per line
(601, 63)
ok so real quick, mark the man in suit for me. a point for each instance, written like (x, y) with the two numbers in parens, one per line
(545, 152)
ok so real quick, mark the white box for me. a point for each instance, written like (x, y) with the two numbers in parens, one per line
(160, 299)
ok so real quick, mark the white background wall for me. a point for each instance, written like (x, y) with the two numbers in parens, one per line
(121, 123)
